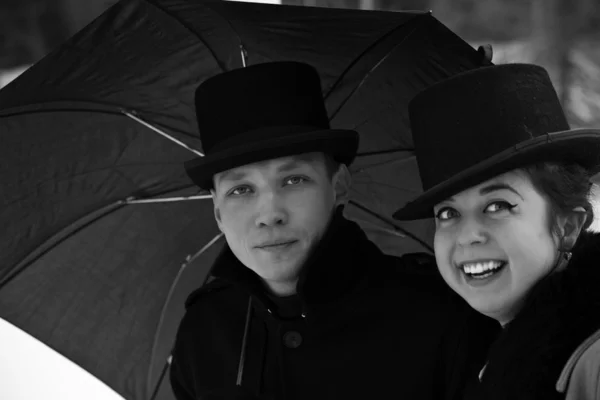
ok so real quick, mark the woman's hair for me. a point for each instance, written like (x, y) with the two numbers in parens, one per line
(566, 186)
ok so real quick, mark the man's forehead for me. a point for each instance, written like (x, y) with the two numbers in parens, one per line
(280, 164)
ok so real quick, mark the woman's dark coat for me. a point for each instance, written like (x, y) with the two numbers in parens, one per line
(526, 360)
(363, 326)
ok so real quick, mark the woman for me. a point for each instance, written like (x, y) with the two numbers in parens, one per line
(509, 184)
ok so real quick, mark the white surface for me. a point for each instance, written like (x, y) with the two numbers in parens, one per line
(8, 75)
(29, 370)
(260, 1)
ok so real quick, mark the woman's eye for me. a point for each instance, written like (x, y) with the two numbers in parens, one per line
(295, 180)
(499, 206)
(446, 213)
(239, 191)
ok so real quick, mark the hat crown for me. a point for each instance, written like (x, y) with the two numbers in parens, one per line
(258, 102)
(490, 109)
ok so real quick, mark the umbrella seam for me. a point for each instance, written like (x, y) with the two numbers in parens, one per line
(377, 152)
(60, 237)
(384, 219)
(47, 107)
(81, 174)
(368, 74)
(64, 234)
(370, 47)
(187, 262)
(212, 52)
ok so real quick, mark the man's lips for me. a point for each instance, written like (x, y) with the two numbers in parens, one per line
(275, 244)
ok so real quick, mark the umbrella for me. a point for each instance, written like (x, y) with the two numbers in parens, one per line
(103, 235)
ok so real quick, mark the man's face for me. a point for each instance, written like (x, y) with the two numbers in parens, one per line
(273, 212)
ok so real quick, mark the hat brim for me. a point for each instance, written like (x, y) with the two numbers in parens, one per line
(340, 143)
(581, 146)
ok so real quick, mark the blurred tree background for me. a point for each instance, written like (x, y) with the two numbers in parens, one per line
(562, 35)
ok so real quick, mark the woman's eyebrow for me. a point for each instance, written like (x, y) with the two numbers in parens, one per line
(498, 186)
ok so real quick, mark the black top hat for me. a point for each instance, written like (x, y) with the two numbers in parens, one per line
(485, 122)
(264, 111)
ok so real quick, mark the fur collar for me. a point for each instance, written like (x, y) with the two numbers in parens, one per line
(562, 311)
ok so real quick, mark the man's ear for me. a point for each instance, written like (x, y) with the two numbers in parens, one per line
(571, 226)
(342, 182)
(216, 210)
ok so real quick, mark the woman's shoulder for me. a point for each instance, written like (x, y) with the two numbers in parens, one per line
(580, 378)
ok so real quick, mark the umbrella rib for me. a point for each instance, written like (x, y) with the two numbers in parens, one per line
(244, 53)
(212, 52)
(188, 260)
(378, 152)
(109, 168)
(391, 223)
(133, 200)
(133, 116)
(368, 74)
(161, 377)
(380, 228)
(214, 240)
(358, 170)
(65, 234)
(353, 62)
(50, 107)
(59, 238)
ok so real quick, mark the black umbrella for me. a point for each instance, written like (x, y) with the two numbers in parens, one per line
(98, 216)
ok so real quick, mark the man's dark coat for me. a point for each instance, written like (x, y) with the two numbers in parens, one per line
(363, 325)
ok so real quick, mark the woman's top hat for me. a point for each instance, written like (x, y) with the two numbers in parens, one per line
(485, 122)
(261, 112)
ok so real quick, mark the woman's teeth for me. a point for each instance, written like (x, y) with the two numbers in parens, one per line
(481, 270)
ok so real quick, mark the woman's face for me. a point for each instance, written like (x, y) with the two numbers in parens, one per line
(493, 243)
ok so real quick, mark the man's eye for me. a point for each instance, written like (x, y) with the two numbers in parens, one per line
(446, 213)
(295, 180)
(498, 206)
(239, 191)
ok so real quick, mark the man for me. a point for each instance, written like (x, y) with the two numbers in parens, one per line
(303, 305)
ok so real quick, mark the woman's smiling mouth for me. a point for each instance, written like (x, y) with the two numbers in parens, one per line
(482, 269)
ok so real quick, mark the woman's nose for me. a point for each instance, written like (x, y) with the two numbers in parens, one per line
(471, 232)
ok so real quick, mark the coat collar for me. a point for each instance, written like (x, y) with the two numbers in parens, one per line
(331, 272)
(561, 312)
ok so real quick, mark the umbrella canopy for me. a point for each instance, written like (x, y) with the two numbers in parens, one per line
(95, 205)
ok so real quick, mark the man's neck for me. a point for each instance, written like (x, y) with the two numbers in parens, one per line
(282, 289)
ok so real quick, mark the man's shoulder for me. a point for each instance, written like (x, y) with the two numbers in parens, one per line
(414, 265)
(212, 288)
(418, 261)
(415, 273)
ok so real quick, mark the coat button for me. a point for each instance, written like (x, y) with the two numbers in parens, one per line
(292, 340)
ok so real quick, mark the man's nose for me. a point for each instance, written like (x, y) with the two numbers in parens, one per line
(271, 212)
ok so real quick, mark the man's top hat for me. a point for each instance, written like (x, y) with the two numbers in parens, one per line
(261, 112)
(485, 122)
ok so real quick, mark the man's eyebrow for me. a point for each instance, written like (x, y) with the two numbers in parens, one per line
(297, 162)
(498, 186)
(290, 165)
(232, 176)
